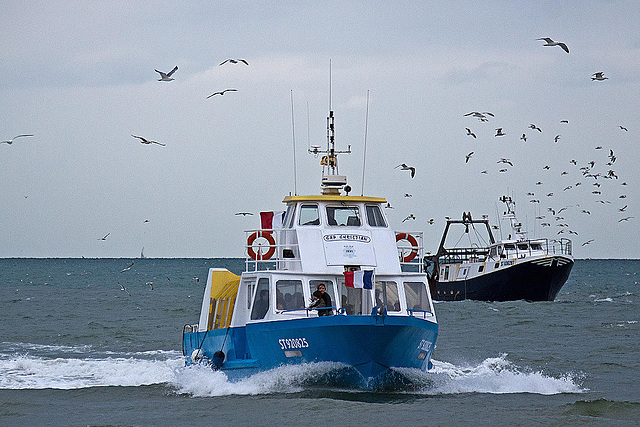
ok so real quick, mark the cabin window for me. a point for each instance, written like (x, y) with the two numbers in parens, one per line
(416, 294)
(536, 246)
(343, 216)
(446, 273)
(493, 252)
(522, 247)
(354, 300)
(510, 246)
(251, 286)
(374, 216)
(480, 268)
(289, 295)
(288, 217)
(261, 300)
(328, 284)
(309, 215)
(387, 295)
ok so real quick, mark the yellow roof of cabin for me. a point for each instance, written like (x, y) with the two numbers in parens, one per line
(334, 198)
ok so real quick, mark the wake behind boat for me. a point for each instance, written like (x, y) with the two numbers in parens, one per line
(509, 269)
(372, 311)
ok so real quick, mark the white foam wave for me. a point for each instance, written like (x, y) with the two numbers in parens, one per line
(497, 375)
(29, 372)
(493, 375)
(201, 381)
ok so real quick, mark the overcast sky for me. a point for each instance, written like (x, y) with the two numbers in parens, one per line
(80, 77)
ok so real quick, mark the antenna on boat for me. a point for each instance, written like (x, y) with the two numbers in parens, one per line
(293, 138)
(364, 156)
(332, 182)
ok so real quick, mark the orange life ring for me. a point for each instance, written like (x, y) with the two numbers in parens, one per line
(414, 246)
(257, 255)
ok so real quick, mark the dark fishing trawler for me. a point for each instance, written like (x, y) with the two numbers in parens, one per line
(516, 268)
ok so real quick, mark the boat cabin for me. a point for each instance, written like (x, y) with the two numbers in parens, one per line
(314, 242)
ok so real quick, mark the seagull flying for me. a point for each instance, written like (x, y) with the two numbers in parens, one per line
(147, 141)
(469, 133)
(411, 216)
(524, 137)
(499, 132)
(105, 237)
(550, 42)
(599, 76)
(624, 128)
(166, 77)
(234, 61)
(587, 242)
(243, 213)
(503, 160)
(222, 92)
(127, 268)
(533, 126)
(122, 288)
(556, 138)
(10, 141)
(404, 167)
(467, 157)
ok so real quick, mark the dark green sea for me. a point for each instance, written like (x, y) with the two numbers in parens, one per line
(75, 349)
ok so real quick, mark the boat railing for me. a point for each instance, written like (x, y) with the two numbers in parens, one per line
(308, 310)
(510, 250)
(410, 251)
(560, 247)
(459, 255)
(268, 249)
(413, 311)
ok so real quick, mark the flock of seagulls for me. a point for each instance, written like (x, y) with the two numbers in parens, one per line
(549, 190)
(167, 77)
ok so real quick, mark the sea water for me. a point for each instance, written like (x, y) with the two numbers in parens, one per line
(77, 349)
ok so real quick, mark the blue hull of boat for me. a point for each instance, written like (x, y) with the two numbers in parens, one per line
(371, 345)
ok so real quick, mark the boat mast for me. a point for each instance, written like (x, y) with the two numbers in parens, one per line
(510, 214)
(332, 181)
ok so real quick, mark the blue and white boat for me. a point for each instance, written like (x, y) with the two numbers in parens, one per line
(381, 314)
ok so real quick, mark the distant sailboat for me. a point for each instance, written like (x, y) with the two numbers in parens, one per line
(142, 253)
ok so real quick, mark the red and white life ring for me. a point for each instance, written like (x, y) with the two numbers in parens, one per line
(258, 255)
(414, 246)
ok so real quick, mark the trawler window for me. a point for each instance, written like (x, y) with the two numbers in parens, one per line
(289, 295)
(343, 216)
(261, 300)
(493, 251)
(374, 216)
(309, 215)
(536, 246)
(387, 295)
(509, 246)
(416, 294)
(522, 247)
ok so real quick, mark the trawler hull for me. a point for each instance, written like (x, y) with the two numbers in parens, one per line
(533, 280)
(370, 345)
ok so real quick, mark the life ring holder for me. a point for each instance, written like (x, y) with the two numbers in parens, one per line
(257, 255)
(414, 246)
